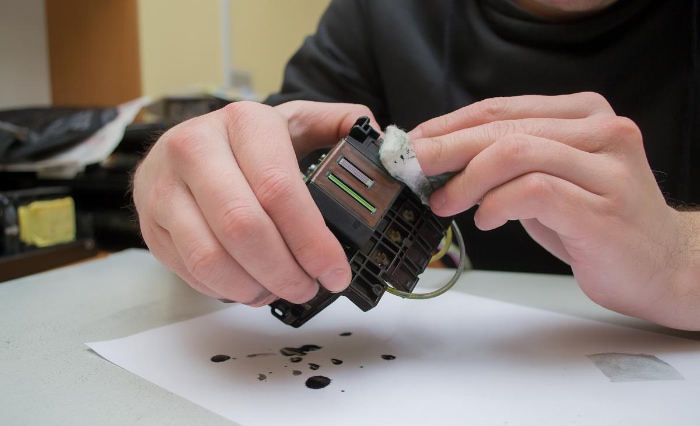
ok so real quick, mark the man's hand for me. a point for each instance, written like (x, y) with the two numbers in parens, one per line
(222, 203)
(575, 174)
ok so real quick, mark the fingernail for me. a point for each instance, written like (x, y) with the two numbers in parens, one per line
(335, 281)
(226, 301)
(415, 133)
(437, 200)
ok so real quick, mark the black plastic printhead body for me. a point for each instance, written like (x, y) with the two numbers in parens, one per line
(389, 236)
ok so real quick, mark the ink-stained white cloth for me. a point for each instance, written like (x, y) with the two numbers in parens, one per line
(399, 159)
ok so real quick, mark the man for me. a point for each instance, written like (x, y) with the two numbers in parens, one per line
(221, 203)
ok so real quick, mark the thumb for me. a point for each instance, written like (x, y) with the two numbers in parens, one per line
(314, 125)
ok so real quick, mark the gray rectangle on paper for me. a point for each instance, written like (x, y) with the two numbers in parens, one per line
(620, 367)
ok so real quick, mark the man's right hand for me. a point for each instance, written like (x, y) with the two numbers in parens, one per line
(221, 202)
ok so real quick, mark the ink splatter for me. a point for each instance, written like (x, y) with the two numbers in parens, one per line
(317, 382)
(300, 351)
(310, 348)
(296, 355)
(291, 351)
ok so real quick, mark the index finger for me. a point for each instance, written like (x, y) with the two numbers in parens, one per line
(577, 105)
(273, 175)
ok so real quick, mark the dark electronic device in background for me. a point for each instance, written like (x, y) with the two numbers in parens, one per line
(388, 235)
(102, 190)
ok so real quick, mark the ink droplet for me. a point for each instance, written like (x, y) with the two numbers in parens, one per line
(220, 358)
(346, 333)
(296, 372)
(300, 351)
(295, 359)
(291, 351)
(314, 366)
(262, 377)
(317, 382)
(310, 348)
(388, 357)
(260, 355)
(336, 361)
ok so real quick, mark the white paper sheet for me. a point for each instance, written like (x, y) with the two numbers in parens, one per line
(460, 360)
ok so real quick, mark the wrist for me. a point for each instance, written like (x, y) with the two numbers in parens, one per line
(681, 296)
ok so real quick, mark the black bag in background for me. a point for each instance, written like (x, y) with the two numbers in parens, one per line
(33, 133)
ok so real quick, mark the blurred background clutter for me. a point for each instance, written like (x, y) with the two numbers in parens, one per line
(87, 86)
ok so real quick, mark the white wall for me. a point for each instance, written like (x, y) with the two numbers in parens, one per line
(266, 33)
(181, 41)
(180, 45)
(24, 62)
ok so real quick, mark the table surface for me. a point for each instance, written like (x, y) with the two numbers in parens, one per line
(49, 376)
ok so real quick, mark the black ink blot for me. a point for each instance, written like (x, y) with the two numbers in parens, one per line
(388, 357)
(346, 333)
(310, 348)
(260, 355)
(291, 351)
(262, 377)
(317, 382)
(314, 366)
(220, 358)
(300, 351)
(336, 361)
(296, 372)
(296, 359)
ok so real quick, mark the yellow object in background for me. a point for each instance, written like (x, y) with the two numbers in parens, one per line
(48, 222)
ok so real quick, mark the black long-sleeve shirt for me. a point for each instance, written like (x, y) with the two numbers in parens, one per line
(412, 60)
